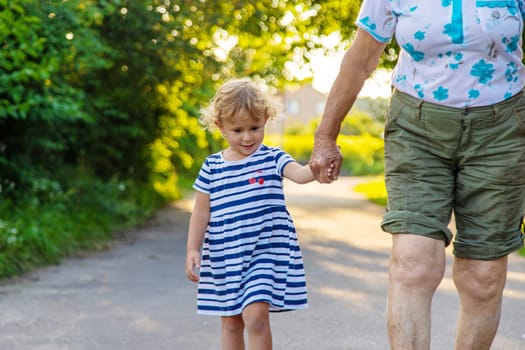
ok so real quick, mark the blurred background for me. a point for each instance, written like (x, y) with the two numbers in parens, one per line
(99, 104)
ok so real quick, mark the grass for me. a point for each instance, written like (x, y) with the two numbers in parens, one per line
(374, 190)
(42, 231)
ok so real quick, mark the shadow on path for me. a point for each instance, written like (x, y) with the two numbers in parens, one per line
(136, 297)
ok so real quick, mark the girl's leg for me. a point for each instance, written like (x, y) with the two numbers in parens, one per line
(232, 332)
(256, 318)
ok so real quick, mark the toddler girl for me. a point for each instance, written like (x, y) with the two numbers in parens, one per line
(251, 262)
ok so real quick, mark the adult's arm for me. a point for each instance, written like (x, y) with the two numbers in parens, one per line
(359, 62)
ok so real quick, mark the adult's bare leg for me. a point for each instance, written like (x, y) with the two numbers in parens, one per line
(416, 268)
(480, 285)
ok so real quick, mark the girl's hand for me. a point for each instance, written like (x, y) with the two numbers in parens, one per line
(193, 262)
(331, 171)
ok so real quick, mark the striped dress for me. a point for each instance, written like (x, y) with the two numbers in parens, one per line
(250, 251)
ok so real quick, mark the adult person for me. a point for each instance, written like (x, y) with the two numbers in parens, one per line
(454, 142)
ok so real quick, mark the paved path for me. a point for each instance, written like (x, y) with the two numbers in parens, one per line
(135, 296)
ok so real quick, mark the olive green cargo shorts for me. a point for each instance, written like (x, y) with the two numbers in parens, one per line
(470, 162)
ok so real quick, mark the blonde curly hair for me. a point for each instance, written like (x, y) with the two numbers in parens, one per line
(234, 96)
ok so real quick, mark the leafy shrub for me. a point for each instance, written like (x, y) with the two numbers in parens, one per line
(83, 214)
(374, 190)
(360, 141)
(362, 154)
(359, 123)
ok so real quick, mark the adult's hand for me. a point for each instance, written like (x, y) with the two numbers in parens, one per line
(326, 160)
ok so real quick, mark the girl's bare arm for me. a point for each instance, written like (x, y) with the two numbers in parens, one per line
(301, 174)
(197, 228)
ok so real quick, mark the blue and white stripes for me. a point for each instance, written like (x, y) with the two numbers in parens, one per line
(250, 252)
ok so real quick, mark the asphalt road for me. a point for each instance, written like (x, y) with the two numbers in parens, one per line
(134, 296)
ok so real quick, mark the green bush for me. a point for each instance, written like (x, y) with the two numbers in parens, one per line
(359, 123)
(81, 215)
(374, 190)
(360, 141)
(362, 154)
(111, 90)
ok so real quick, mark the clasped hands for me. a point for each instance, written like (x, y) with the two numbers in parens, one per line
(325, 161)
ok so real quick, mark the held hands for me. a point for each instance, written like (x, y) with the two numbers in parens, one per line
(193, 262)
(325, 161)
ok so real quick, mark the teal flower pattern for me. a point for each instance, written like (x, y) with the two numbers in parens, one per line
(457, 58)
(366, 21)
(455, 28)
(455, 31)
(473, 93)
(442, 62)
(416, 55)
(419, 90)
(441, 94)
(511, 43)
(419, 35)
(483, 71)
(511, 73)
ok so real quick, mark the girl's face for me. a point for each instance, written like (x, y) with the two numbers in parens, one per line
(244, 135)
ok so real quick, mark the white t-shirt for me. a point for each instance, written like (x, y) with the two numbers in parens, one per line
(453, 52)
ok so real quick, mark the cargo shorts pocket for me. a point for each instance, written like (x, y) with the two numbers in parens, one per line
(395, 108)
(519, 114)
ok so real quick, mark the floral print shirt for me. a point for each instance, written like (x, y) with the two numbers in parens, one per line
(458, 53)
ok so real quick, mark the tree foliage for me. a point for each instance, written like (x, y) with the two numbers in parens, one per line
(113, 88)
(99, 102)
(45, 51)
